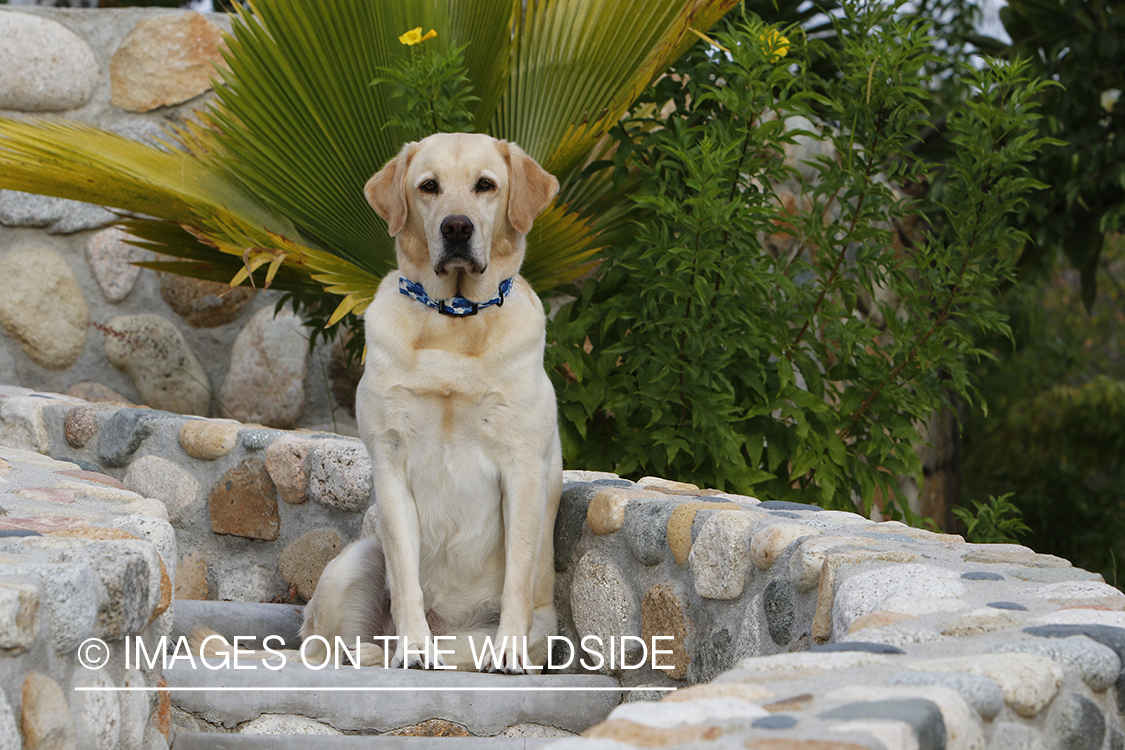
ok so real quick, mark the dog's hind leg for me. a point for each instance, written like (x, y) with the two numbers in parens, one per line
(350, 603)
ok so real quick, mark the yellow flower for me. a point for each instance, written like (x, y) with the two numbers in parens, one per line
(776, 45)
(414, 36)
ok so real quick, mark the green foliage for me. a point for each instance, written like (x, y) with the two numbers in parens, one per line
(1055, 432)
(270, 187)
(781, 328)
(431, 91)
(1080, 44)
(997, 521)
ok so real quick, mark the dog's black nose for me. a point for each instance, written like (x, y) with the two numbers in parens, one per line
(456, 228)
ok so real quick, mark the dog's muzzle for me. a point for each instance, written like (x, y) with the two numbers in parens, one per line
(457, 251)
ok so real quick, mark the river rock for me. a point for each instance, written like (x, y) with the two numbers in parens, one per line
(111, 259)
(165, 60)
(161, 364)
(266, 380)
(44, 66)
(42, 307)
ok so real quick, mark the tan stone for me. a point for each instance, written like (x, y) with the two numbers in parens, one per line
(45, 716)
(664, 612)
(667, 486)
(19, 616)
(878, 619)
(208, 440)
(797, 743)
(244, 503)
(93, 476)
(96, 393)
(680, 522)
(305, 558)
(825, 597)
(805, 565)
(767, 544)
(1028, 681)
(1017, 558)
(165, 60)
(99, 533)
(162, 715)
(741, 691)
(980, 621)
(191, 577)
(792, 703)
(166, 593)
(432, 728)
(285, 462)
(1083, 594)
(42, 307)
(203, 304)
(639, 735)
(606, 513)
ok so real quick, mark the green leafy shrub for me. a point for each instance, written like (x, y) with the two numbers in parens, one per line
(778, 327)
(997, 521)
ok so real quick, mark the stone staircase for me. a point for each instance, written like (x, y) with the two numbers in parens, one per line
(299, 707)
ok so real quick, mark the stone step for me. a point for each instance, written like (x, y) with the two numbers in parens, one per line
(231, 619)
(213, 741)
(379, 700)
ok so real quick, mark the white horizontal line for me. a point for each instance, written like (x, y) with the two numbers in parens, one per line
(373, 689)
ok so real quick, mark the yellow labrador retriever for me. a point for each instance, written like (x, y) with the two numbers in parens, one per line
(460, 420)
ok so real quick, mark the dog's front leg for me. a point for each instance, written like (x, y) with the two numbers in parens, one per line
(399, 533)
(524, 505)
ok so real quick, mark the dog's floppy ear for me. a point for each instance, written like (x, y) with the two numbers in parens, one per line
(386, 191)
(531, 189)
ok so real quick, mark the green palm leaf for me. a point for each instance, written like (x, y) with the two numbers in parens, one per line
(274, 187)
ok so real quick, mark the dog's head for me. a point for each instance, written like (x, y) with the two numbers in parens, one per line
(459, 206)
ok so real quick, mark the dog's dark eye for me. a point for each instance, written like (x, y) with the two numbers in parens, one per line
(484, 185)
(429, 186)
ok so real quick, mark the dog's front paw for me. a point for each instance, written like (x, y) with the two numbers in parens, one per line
(416, 653)
(510, 657)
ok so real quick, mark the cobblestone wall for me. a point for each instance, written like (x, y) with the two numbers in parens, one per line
(75, 315)
(791, 627)
(101, 569)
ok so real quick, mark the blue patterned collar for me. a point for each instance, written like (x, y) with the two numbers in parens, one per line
(456, 306)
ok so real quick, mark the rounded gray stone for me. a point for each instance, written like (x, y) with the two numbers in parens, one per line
(570, 521)
(646, 530)
(122, 435)
(600, 602)
(1098, 665)
(44, 66)
(9, 727)
(256, 440)
(266, 380)
(1011, 736)
(720, 557)
(779, 610)
(978, 691)
(153, 476)
(922, 715)
(161, 364)
(8, 374)
(1076, 722)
